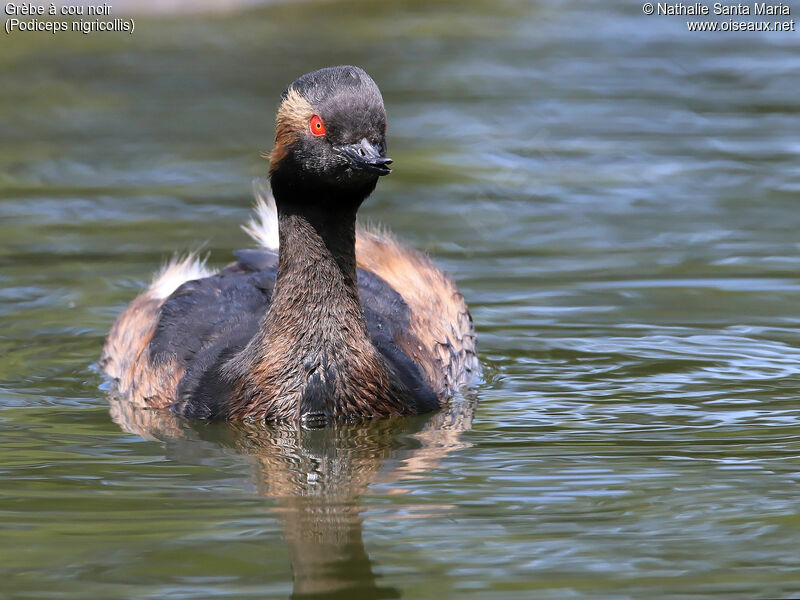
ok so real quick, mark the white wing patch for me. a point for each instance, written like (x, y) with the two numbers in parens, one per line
(176, 272)
(263, 227)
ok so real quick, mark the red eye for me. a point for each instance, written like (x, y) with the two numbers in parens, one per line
(317, 126)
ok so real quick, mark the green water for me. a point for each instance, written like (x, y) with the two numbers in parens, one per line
(616, 197)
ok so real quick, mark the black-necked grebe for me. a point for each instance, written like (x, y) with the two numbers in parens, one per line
(328, 321)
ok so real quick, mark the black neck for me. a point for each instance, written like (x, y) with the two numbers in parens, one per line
(315, 325)
(313, 355)
(317, 255)
(317, 258)
(317, 245)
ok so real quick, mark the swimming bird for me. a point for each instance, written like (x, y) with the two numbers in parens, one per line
(328, 320)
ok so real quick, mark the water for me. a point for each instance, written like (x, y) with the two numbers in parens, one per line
(617, 200)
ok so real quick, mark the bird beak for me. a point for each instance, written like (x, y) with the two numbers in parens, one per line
(366, 157)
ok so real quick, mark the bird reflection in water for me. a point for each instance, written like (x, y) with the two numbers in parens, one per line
(316, 478)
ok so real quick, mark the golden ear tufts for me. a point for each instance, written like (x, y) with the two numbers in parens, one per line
(293, 115)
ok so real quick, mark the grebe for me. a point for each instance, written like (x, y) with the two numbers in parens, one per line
(328, 321)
